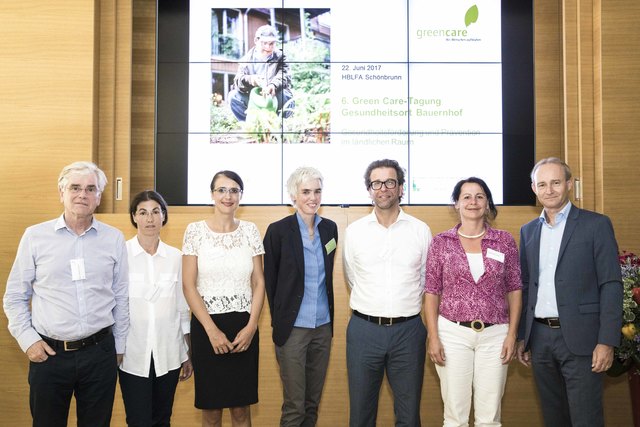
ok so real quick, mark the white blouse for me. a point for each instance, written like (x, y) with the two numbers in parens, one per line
(225, 264)
(159, 314)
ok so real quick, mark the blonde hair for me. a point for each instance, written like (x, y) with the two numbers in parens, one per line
(300, 175)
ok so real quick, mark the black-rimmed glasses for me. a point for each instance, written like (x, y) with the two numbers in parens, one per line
(377, 185)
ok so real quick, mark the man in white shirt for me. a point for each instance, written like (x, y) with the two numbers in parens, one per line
(385, 255)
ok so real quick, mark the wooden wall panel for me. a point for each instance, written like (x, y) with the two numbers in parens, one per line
(143, 95)
(113, 83)
(46, 121)
(620, 118)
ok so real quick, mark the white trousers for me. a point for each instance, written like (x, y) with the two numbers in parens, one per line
(472, 366)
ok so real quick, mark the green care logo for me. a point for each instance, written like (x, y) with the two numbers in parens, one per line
(470, 17)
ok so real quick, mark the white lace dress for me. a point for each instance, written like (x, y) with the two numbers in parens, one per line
(225, 264)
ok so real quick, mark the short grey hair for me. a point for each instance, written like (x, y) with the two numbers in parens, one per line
(82, 168)
(553, 161)
(300, 175)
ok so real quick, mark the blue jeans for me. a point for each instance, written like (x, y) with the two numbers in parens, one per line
(400, 351)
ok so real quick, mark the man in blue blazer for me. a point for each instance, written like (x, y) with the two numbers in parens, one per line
(298, 269)
(572, 300)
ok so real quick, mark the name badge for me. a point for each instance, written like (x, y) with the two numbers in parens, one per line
(330, 246)
(77, 269)
(498, 256)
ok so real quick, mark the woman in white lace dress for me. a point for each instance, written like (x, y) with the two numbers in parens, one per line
(224, 286)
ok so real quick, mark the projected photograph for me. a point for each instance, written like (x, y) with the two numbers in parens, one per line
(269, 74)
(445, 88)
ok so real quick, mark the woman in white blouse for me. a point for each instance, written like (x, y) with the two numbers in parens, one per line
(157, 343)
(224, 286)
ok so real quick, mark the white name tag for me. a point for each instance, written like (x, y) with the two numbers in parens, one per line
(77, 269)
(498, 256)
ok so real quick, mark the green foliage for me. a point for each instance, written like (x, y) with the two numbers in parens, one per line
(262, 125)
(627, 354)
(229, 46)
(310, 121)
(222, 119)
(311, 86)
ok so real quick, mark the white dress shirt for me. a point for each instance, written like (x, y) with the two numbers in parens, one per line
(158, 311)
(385, 267)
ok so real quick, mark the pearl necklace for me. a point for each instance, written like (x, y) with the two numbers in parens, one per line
(472, 237)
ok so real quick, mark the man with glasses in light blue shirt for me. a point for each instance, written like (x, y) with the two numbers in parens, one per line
(67, 304)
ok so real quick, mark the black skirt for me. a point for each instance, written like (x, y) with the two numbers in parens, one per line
(224, 380)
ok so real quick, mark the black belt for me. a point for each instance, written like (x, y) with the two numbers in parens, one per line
(384, 321)
(79, 344)
(476, 325)
(552, 322)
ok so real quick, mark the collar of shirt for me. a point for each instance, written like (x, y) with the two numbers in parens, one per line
(136, 249)
(303, 225)
(560, 216)
(373, 218)
(60, 223)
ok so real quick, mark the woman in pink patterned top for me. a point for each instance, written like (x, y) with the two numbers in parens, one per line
(472, 307)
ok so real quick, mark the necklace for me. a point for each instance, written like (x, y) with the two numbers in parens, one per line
(472, 237)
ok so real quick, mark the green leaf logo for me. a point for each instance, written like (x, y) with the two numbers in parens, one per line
(471, 16)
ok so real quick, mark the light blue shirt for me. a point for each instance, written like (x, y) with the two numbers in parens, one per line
(550, 239)
(314, 309)
(67, 286)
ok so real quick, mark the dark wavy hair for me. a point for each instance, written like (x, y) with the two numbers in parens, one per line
(455, 195)
(145, 196)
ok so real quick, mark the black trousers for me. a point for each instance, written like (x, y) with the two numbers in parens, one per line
(89, 374)
(148, 401)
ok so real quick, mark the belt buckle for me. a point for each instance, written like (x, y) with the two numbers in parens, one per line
(553, 323)
(382, 323)
(68, 348)
(477, 325)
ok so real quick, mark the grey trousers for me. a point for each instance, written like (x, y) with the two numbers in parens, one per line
(303, 361)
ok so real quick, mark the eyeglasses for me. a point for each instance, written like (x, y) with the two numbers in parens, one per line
(146, 214)
(377, 185)
(233, 191)
(91, 190)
